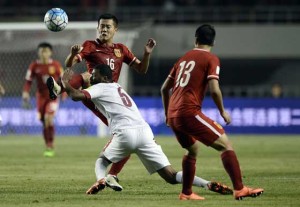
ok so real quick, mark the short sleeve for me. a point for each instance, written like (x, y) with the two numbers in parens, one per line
(129, 57)
(213, 68)
(93, 92)
(84, 52)
(30, 72)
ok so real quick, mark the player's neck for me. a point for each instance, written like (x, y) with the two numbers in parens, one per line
(44, 61)
(203, 47)
(107, 43)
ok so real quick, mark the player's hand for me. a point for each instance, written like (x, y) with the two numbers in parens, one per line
(67, 76)
(150, 46)
(76, 49)
(226, 117)
(26, 100)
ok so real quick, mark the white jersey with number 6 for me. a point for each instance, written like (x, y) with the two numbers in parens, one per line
(116, 105)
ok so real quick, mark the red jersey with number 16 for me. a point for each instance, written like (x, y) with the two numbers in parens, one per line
(191, 74)
(94, 52)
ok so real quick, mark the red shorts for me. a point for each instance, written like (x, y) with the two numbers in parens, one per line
(198, 127)
(46, 106)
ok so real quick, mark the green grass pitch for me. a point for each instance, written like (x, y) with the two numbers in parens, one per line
(29, 179)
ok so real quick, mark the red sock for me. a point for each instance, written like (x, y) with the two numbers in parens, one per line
(117, 167)
(232, 166)
(188, 173)
(50, 136)
(76, 81)
(45, 135)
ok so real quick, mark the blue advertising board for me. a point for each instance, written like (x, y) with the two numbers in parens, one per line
(252, 116)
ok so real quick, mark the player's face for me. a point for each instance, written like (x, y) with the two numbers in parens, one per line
(44, 53)
(106, 30)
(95, 78)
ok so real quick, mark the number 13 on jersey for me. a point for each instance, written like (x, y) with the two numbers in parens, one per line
(185, 73)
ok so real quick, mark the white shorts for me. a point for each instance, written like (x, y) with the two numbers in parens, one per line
(139, 141)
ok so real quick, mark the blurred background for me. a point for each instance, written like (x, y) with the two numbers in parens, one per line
(257, 43)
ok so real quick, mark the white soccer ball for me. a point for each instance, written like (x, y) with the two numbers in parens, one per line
(56, 19)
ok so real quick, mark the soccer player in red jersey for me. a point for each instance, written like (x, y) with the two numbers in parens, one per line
(102, 51)
(40, 70)
(188, 79)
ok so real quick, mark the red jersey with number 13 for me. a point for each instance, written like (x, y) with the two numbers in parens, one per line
(191, 74)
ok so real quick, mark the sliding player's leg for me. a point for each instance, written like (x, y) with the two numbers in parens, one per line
(78, 81)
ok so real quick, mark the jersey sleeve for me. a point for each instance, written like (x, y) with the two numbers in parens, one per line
(129, 57)
(84, 52)
(30, 72)
(93, 92)
(213, 68)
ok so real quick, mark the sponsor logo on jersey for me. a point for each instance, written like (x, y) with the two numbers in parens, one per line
(51, 70)
(218, 125)
(118, 53)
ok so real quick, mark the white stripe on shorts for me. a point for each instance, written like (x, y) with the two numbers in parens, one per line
(208, 125)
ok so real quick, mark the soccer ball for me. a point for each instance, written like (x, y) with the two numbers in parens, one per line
(56, 19)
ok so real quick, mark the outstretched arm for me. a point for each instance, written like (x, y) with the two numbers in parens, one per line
(76, 95)
(72, 59)
(2, 90)
(165, 94)
(142, 66)
(216, 95)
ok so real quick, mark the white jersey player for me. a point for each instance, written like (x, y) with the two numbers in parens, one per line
(131, 134)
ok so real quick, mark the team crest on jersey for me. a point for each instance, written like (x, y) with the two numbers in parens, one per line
(118, 53)
(51, 70)
(218, 125)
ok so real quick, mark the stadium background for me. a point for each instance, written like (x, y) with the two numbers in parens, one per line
(257, 43)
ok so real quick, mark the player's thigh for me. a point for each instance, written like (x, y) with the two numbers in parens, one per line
(150, 153)
(201, 128)
(41, 104)
(119, 147)
(184, 139)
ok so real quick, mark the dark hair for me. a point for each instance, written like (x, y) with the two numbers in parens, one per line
(104, 70)
(44, 45)
(108, 16)
(205, 35)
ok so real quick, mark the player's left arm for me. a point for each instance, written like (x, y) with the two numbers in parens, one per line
(76, 95)
(165, 94)
(142, 66)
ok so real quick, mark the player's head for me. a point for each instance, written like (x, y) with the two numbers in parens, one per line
(101, 74)
(107, 27)
(44, 50)
(205, 35)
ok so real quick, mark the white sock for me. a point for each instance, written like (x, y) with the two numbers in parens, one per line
(100, 168)
(197, 180)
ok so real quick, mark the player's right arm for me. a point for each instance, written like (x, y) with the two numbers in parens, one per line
(26, 88)
(72, 58)
(2, 90)
(165, 91)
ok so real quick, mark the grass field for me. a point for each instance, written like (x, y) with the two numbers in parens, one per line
(29, 179)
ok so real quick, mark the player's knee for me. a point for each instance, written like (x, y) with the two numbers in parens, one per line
(48, 120)
(222, 144)
(193, 150)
